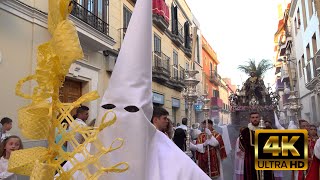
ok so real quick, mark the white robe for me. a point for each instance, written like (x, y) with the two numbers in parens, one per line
(201, 148)
(162, 166)
(4, 174)
(226, 139)
(78, 137)
(238, 161)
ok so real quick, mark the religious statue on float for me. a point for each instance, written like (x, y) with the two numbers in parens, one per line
(254, 91)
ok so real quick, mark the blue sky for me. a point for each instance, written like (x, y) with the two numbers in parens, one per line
(238, 30)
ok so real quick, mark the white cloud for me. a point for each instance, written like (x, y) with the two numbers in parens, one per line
(238, 30)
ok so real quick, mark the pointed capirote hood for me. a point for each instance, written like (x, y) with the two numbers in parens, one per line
(131, 79)
(276, 121)
(292, 125)
(150, 154)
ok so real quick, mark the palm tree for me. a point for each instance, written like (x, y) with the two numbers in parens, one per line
(263, 66)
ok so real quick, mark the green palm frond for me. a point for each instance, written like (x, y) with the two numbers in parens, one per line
(263, 66)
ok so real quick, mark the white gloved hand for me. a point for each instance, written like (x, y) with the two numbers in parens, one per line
(208, 131)
(193, 147)
(212, 142)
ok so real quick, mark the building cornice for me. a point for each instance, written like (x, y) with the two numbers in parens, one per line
(25, 12)
(211, 52)
(87, 65)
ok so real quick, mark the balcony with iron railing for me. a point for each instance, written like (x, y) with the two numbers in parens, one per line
(160, 67)
(312, 72)
(216, 103)
(308, 72)
(177, 78)
(182, 74)
(214, 78)
(177, 34)
(90, 18)
(160, 14)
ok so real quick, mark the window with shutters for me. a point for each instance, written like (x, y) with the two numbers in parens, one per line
(126, 19)
(187, 39)
(157, 44)
(174, 19)
(198, 50)
(215, 93)
(175, 64)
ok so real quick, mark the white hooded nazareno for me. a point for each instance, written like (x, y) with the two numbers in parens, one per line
(150, 154)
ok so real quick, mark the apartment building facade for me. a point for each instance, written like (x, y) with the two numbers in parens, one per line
(172, 44)
(282, 62)
(210, 76)
(218, 88)
(24, 27)
(101, 26)
(304, 16)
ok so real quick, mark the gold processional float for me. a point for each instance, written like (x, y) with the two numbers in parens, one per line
(42, 119)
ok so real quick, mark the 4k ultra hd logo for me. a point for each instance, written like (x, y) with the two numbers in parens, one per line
(281, 149)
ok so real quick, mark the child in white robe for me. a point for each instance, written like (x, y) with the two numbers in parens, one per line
(9, 144)
(238, 161)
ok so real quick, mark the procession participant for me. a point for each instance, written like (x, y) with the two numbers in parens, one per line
(238, 161)
(314, 172)
(300, 175)
(217, 151)
(149, 153)
(247, 145)
(180, 135)
(312, 139)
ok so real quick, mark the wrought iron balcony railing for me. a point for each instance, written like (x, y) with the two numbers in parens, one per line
(89, 18)
(316, 64)
(312, 72)
(214, 77)
(177, 73)
(182, 73)
(309, 71)
(161, 63)
(177, 28)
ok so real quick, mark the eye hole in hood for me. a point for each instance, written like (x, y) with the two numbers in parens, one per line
(108, 106)
(132, 109)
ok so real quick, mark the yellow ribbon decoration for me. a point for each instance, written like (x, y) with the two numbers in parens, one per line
(43, 117)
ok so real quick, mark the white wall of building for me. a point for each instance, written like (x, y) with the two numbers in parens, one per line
(301, 38)
(22, 30)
